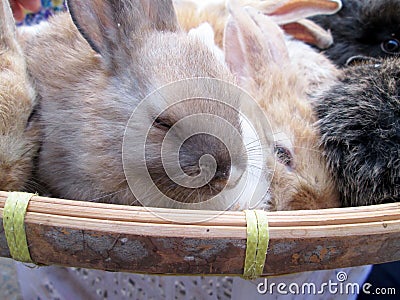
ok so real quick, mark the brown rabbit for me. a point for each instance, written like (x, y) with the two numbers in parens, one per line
(18, 133)
(92, 71)
(288, 13)
(257, 53)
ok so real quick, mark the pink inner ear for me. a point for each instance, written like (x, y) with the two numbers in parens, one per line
(298, 31)
(288, 11)
(293, 10)
(310, 33)
(270, 36)
(311, 7)
(234, 53)
(253, 42)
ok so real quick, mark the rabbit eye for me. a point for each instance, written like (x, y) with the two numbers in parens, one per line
(162, 123)
(391, 46)
(284, 156)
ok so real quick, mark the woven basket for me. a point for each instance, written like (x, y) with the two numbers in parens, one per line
(134, 239)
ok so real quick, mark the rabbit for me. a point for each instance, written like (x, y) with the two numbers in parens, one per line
(360, 128)
(19, 135)
(315, 68)
(257, 52)
(192, 14)
(363, 28)
(288, 13)
(92, 68)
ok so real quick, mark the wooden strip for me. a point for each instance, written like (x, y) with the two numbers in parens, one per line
(163, 216)
(146, 216)
(202, 231)
(388, 207)
(374, 208)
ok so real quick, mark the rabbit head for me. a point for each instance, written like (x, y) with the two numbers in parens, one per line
(363, 28)
(18, 132)
(105, 58)
(256, 51)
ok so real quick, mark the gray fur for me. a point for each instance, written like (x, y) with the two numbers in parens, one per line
(88, 96)
(360, 126)
(360, 27)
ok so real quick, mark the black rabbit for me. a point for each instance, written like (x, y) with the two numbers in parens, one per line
(363, 28)
(360, 127)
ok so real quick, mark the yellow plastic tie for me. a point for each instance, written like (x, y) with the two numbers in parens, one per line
(263, 241)
(14, 226)
(251, 246)
(257, 243)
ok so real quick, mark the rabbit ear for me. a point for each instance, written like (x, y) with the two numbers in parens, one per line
(252, 41)
(7, 26)
(235, 50)
(109, 24)
(288, 11)
(310, 33)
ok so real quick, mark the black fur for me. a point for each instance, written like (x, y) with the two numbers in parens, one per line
(360, 127)
(360, 28)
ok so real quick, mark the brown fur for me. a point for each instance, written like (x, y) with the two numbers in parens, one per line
(285, 12)
(189, 17)
(88, 97)
(18, 139)
(262, 62)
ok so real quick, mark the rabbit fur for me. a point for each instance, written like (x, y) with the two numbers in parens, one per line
(19, 135)
(363, 28)
(288, 13)
(258, 54)
(360, 128)
(122, 52)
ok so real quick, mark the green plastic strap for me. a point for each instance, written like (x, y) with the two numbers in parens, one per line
(263, 241)
(14, 226)
(251, 246)
(257, 243)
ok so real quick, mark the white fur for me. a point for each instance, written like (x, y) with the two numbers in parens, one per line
(35, 29)
(205, 33)
(253, 195)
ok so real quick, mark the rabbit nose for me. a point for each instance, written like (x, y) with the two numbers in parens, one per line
(206, 154)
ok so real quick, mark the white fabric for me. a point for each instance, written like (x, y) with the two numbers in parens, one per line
(248, 289)
(67, 283)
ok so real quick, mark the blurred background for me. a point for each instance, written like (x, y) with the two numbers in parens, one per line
(9, 288)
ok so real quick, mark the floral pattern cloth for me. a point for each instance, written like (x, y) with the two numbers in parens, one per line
(49, 7)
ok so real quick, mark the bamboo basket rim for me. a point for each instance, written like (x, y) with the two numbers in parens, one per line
(368, 223)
